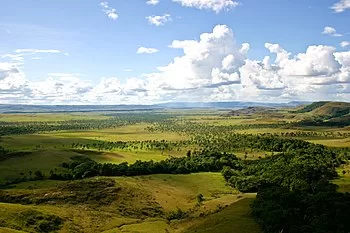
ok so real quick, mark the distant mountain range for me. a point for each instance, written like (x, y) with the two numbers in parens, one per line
(14, 108)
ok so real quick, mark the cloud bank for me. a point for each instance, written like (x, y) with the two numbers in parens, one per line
(212, 68)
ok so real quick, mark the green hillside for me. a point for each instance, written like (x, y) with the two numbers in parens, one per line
(326, 109)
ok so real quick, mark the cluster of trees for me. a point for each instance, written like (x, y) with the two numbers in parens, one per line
(294, 193)
(342, 122)
(133, 145)
(203, 161)
(192, 128)
(295, 170)
(325, 134)
(233, 141)
(279, 209)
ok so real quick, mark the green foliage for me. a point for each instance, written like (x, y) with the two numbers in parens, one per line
(178, 214)
(204, 161)
(200, 198)
(278, 209)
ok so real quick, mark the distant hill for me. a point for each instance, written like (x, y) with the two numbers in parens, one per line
(250, 111)
(326, 109)
(326, 113)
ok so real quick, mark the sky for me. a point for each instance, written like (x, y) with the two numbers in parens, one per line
(156, 51)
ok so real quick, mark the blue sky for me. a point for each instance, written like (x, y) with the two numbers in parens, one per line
(86, 51)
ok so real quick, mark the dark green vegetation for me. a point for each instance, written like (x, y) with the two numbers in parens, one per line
(177, 171)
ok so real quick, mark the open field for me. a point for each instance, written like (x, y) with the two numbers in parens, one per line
(66, 138)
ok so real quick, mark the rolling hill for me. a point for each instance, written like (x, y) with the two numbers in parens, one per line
(326, 109)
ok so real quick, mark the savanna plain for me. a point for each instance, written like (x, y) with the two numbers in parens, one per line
(249, 170)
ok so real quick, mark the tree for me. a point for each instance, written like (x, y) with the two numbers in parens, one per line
(38, 175)
(200, 199)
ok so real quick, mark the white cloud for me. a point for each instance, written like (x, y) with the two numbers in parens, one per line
(344, 44)
(341, 6)
(214, 5)
(158, 20)
(60, 89)
(331, 31)
(12, 82)
(19, 55)
(152, 2)
(205, 63)
(212, 68)
(109, 11)
(142, 50)
(13, 57)
(318, 60)
(33, 51)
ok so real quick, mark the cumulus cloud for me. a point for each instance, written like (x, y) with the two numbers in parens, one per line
(12, 83)
(344, 44)
(212, 68)
(152, 2)
(331, 31)
(341, 6)
(213, 59)
(142, 50)
(317, 60)
(109, 11)
(214, 5)
(68, 88)
(158, 20)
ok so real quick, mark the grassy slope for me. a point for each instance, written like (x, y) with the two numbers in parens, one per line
(332, 109)
(235, 218)
(137, 194)
(45, 161)
(180, 191)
